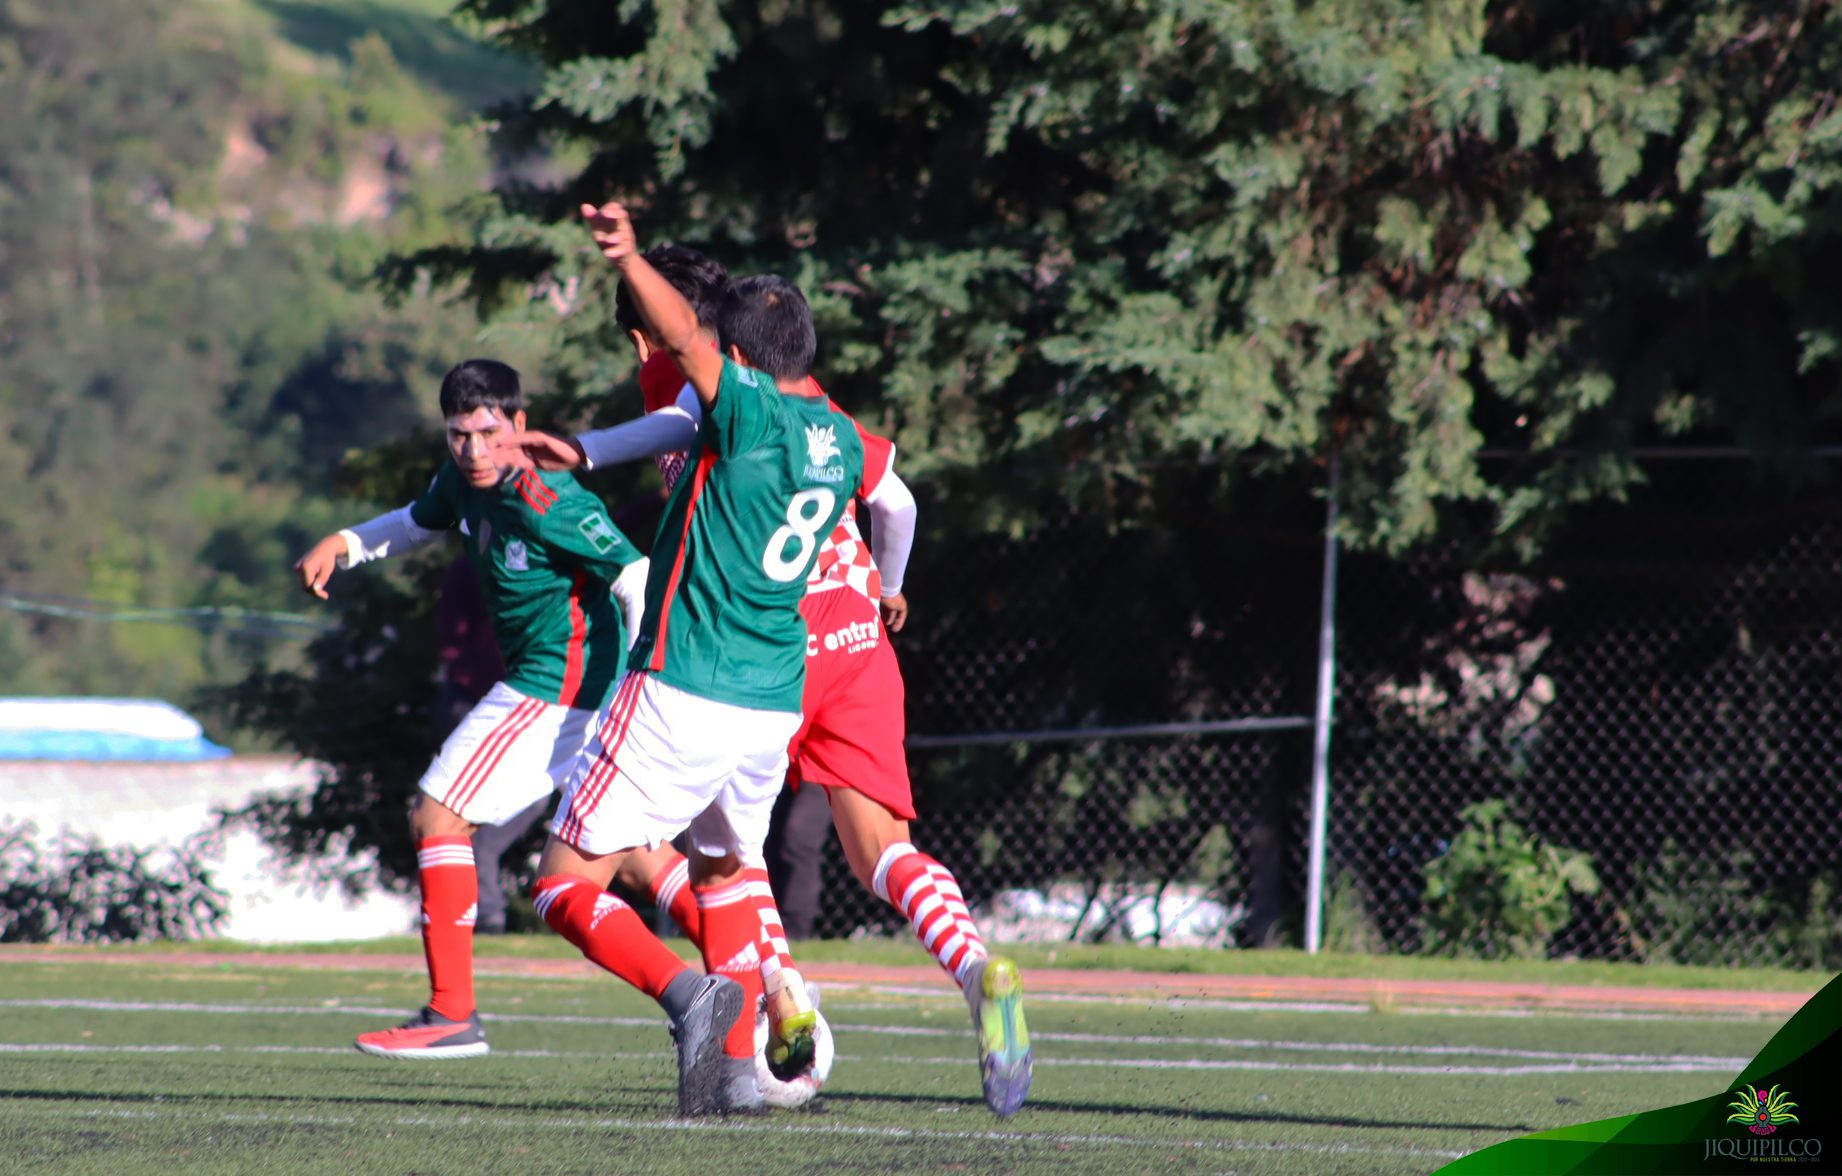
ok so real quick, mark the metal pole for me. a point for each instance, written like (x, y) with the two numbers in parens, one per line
(1320, 741)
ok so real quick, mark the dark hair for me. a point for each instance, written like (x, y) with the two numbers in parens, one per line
(701, 281)
(767, 317)
(480, 383)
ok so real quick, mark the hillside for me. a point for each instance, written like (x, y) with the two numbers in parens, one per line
(196, 200)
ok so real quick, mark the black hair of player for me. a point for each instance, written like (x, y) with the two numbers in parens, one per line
(767, 317)
(699, 279)
(481, 383)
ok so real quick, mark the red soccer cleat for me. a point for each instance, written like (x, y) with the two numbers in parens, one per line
(428, 1036)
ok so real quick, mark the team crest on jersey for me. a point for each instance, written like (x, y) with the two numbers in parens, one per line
(599, 532)
(821, 447)
(821, 444)
(516, 559)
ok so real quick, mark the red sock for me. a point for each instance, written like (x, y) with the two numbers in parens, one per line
(450, 896)
(730, 928)
(607, 930)
(927, 893)
(770, 935)
(671, 889)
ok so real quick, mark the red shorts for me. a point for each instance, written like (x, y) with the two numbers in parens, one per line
(852, 722)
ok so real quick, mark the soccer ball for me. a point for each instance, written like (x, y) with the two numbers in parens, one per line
(802, 1089)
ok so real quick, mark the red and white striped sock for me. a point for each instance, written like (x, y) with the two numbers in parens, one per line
(609, 932)
(928, 896)
(450, 900)
(671, 891)
(731, 928)
(771, 941)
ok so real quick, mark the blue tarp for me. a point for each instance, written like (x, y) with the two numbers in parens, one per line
(101, 729)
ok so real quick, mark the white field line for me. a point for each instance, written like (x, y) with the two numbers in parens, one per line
(1570, 1059)
(1053, 1061)
(731, 1127)
(1154, 1002)
(1205, 1004)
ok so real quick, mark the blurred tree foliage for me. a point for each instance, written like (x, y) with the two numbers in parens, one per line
(188, 220)
(1059, 248)
(1115, 259)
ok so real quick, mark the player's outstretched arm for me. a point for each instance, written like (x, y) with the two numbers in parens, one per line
(320, 562)
(386, 535)
(539, 449)
(663, 309)
(892, 519)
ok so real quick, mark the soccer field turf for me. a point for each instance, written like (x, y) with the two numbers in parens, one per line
(234, 1066)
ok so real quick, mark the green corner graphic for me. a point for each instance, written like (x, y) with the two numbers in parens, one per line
(1783, 1113)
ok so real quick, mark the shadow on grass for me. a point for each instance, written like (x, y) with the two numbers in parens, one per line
(650, 1101)
(1185, 1115)
(634, 1102)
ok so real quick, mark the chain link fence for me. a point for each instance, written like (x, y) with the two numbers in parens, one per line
(1626, 751)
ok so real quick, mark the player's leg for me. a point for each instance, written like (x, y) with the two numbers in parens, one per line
(854, 747)
(730, 928)
(796, 856)
(876, 843)
(665, 875)
(489, 845)
(635, 788)
(448, 1027)
(490, 768)
(734, 831)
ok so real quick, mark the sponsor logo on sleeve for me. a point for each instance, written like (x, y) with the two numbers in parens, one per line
(599, 533)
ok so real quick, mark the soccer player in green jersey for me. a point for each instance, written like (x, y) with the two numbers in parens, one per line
(696, 737)
(850, 743)
(550, 564)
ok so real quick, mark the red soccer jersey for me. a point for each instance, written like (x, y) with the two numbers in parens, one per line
(660, 382)
(844, 558)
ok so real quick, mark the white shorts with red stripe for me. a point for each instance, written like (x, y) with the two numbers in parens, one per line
(509, 752)
(667, 761)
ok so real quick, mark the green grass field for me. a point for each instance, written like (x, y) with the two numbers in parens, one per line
(220, 1065)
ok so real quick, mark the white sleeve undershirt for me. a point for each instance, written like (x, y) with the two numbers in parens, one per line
(386, 535)
(892, 517)
(669, 430)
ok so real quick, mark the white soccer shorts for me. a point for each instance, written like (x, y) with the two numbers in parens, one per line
(666, 761)
(510, 751)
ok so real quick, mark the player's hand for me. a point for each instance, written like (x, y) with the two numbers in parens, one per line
(319, 564)
(539, 449)
(612, 230)
(895, 612)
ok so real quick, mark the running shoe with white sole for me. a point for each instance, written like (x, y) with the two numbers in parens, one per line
(428, 1037)
(995, 993)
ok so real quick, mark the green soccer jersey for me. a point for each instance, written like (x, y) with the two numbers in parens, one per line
(546, 555)
(771, 474)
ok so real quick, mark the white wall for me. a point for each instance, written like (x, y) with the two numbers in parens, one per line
(163, 804)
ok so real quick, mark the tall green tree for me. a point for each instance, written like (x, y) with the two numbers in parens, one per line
(1123, 257)
(1060, 247)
